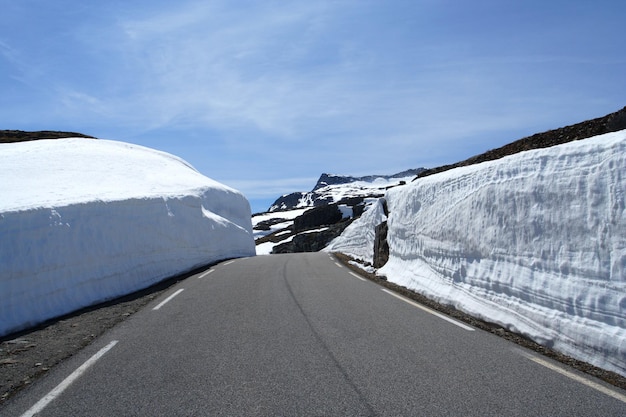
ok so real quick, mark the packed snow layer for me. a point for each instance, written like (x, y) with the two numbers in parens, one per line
(358, 238)
(84, 221)
(535, 242)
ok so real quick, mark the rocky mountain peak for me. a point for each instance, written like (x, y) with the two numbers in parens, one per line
(331, 188)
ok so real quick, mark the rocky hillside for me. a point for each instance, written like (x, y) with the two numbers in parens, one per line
(308, 221)
(9, 136)
(609, 123)
(330, 179)
(342, 189)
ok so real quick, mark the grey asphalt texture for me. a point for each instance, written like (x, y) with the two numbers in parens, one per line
(298, 335)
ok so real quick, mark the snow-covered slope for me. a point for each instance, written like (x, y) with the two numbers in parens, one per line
(83, 221)
(535, 242)
(335, 188)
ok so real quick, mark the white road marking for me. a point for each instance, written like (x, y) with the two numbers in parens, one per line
(228, 263)
(578, 378)
(357, 276)
(338, 264)
(58, 390)
(430, 311)
(206, 273)
(162, 303)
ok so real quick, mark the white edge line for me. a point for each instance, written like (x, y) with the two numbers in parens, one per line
(355, 275)
(578, 378)
(430, 311)
(162, 303)
(206, 273)
(58, 390)
(338, 264)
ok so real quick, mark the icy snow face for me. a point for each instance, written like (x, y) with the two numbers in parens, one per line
(358, 238)
(85, 221)
(535, 241)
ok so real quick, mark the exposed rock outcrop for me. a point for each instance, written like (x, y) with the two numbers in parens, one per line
(318, 216)
(312, 241)
(381, 247)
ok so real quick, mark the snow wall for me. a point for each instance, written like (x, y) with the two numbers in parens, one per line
(359, 237)
(535, 242)
(85, 221)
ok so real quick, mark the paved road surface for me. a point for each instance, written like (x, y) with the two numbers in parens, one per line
(297, 335)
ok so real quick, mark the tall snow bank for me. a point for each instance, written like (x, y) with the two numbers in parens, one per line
(84, 221)
(358, 238)
(535, 241)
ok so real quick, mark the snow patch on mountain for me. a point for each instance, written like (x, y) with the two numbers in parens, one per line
(85, 221)
(337, 188)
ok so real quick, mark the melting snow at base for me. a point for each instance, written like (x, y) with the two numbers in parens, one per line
(83, 221)
(535, 242)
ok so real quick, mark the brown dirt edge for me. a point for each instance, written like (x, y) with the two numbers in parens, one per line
(607, 376)
(28, 355)
(12, 136)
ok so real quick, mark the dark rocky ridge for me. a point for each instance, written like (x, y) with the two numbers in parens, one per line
(314, 198)
(305, 232)
(287, 201)
(329, 179)
(316, 217)
(609, 123)
(10, 136)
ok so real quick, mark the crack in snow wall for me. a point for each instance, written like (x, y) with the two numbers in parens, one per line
(535, 242)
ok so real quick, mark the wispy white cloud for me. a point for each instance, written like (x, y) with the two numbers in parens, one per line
(301, 87)
(291, 72)
(249, 68)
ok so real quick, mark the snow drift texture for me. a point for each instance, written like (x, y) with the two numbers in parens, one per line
(84, 221)
(359, 237)
(535, 242)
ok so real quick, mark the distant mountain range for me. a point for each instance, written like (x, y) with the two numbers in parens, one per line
(343, 189)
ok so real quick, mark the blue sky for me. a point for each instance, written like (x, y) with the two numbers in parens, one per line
(264, 96)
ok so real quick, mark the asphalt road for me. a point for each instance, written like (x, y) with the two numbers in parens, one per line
(298, 335)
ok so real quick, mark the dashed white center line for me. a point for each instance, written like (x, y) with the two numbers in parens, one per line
(338, 264)
(228, 263)
(357, 276)
(428, 310)
(206, 273)
(58, 390)
(162, 303)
